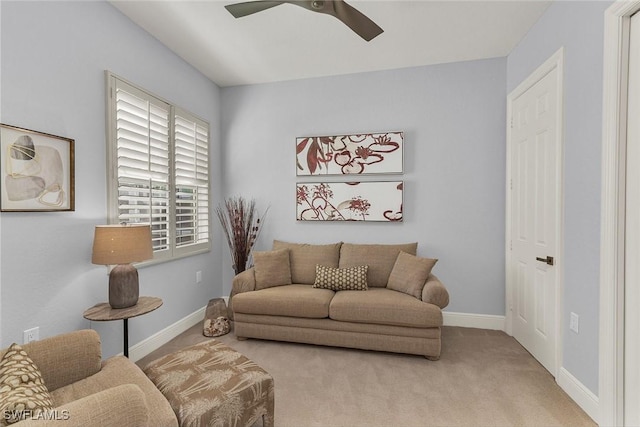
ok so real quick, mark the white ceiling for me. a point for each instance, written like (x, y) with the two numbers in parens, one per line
(288, 42)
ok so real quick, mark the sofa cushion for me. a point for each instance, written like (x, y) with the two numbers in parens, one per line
(304, 258)
(410, 273)
(341, 279)
(379, 258)
(122, 406)
(66, 358)
(383, 306)
(289, 300)
(21, 386)
(272, 268)
(119, 370)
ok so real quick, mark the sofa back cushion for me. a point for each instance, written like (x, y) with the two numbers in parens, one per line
(303, 259)
(272, 268)
(379, 258)
(66, 358)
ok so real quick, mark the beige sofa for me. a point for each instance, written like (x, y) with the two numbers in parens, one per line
(380, 318)
(87, 391)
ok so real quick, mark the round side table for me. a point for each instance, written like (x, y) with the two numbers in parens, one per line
(104, 313)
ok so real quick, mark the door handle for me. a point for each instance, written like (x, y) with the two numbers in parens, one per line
(548, 260)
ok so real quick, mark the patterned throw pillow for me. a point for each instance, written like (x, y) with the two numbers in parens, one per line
(22, 390)
(341, 279)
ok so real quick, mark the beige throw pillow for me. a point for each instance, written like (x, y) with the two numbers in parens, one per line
(341, 279)
(410, 273)
(272, 268)
(22, 390)
(379, 258)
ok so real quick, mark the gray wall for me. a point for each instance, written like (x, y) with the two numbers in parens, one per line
(453, 117)
(53, 59)
(579, 27)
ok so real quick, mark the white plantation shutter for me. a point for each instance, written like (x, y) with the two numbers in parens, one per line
(142, 144)
(191, 167)
(159, 170)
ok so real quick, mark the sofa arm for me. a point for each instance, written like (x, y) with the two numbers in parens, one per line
(66, 358)
(434, 292)
(120, 406)
(242, 282)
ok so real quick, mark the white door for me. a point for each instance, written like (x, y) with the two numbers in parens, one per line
(534, 214)
(632, 235)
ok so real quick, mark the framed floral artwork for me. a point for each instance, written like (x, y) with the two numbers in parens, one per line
(358, 154)
(349, 201)
(37, 171)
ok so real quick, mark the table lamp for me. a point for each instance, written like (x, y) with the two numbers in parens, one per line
(120, 245)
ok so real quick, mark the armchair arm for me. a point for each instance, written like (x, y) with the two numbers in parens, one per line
(434, 292)
(242, 282)
(120, 406)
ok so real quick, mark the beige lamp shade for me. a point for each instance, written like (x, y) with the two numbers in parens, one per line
(121, 244)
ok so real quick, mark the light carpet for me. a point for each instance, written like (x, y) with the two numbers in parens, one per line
(483, 378)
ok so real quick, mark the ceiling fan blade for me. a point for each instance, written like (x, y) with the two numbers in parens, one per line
(238, 10)
(356, 20)
(349, 15)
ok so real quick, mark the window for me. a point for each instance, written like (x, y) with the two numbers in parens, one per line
(158, 174)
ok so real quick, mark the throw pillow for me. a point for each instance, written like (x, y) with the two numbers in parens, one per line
(410, 273)
(379, 258)
(341, 279)
(22, 390)
(272, 268)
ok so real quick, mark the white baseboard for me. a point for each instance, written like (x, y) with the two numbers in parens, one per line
(467, 320)
(588, 401)
(162, 337)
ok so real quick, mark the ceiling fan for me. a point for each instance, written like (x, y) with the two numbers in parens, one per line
(350, 16)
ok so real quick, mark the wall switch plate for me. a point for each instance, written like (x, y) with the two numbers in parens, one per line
(32, 334)
(574, 322)
(198, 276)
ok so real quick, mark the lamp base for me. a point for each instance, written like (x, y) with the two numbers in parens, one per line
(123, 286)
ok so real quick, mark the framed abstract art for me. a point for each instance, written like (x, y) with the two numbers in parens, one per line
(37, 171)
(349, 201)
(357, 154)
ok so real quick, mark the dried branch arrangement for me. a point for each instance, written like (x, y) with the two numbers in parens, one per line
(242, 226)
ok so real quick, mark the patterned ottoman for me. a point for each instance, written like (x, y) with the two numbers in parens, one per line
(211, 384)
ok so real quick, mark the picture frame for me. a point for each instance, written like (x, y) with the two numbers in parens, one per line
(368, 201)
(354, 154)
(37, 171)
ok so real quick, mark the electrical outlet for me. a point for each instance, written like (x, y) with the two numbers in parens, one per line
(198, 276)
(32, 334)
(574, 322)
